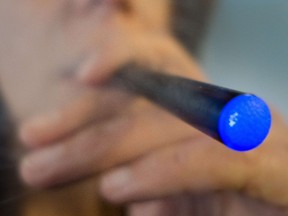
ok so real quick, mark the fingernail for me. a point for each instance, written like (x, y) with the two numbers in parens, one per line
(46, 157)
(37, 166)
(116, 185)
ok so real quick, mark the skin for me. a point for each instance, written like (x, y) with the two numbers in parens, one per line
(75, 126)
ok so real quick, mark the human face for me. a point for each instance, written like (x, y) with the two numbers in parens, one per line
(44, 42)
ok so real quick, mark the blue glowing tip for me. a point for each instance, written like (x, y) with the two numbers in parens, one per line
(244, 122)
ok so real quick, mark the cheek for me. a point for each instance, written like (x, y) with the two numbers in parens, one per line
(41, 41)
(34, 55)
(34, 92)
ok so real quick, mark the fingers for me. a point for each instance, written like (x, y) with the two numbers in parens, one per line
(70, 159)
(102, 146)
(193, 166)
(54, 125)
(65, 121)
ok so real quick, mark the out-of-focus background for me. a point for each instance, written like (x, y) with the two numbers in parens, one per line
(247, 48)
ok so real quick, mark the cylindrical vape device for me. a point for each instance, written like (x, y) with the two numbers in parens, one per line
(239, 120)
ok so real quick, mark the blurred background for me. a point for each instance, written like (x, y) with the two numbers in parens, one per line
(247, 48)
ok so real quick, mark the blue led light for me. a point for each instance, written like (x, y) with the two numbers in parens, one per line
(244, 122)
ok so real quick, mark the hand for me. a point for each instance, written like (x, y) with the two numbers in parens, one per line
(69, 143)
(159, 155)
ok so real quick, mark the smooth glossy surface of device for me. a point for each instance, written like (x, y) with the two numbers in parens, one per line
(240, 121)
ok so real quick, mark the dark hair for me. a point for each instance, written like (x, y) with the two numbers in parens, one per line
(9, 186)
(189, 22)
